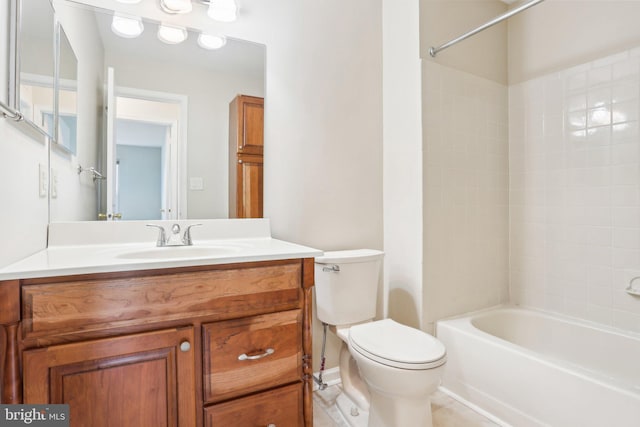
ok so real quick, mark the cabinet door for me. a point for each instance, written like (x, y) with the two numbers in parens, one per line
(249, 187)
(250, 114)
(137, 380)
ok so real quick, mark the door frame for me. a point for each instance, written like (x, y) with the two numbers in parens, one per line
(179, 175)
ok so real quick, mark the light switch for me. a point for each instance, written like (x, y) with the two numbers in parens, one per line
(42, 180)
(196, 183)
(54, 184)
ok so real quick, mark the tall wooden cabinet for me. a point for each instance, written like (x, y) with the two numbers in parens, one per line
(246, 143)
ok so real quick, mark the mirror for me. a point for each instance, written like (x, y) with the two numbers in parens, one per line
(168, 121)
(5, 37)
(34, 91)
(67, 102)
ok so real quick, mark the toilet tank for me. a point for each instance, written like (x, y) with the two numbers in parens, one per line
(346, 285)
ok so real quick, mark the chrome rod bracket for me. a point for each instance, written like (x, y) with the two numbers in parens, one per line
(433, 51)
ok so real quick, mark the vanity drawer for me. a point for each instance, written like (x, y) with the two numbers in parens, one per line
(281, 407)
(246, 355)
(75, 305)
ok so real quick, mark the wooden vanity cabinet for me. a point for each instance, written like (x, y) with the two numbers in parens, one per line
(223, 345)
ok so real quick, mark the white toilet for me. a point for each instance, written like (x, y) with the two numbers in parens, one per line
(389, 370)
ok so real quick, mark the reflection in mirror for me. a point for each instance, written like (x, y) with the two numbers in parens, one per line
(5, 27)
(67, 95)
(147, 143)
(169, 117)
(36, 64)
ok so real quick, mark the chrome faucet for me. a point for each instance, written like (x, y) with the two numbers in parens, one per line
(174, 239)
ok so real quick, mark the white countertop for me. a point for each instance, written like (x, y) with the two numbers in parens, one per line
(85, 248)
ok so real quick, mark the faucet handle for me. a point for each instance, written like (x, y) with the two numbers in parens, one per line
(162, 240)
(187, 235)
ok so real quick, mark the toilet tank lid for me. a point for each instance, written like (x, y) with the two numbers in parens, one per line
(349, 256)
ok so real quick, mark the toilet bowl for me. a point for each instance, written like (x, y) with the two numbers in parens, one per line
(388, 370)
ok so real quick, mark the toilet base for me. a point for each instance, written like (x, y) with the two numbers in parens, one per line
(355, 416)
(389, 412)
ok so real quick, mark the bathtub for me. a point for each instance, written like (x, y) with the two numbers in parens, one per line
(529, 368)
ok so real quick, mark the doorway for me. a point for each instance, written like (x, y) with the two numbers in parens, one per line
(146, 155)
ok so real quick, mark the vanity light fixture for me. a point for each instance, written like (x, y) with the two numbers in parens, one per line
(176, 6)
(127, 26)
(171, 35)
(211, 41)
(223, 10)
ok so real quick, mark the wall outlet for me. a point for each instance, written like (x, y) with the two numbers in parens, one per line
(42, 180)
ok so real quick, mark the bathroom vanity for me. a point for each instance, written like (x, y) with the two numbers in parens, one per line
(138, 340)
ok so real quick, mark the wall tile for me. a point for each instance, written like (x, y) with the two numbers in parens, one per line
(574, 190)
(467, 182)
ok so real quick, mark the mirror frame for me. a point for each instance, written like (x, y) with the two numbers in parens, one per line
(13, 95)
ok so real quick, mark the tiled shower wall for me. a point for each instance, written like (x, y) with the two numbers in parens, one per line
(574, 160)
(466, 181)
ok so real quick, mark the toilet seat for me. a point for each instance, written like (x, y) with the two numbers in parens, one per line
(396, 345)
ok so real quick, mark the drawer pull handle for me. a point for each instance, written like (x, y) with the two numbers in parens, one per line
(185, 346)
(268, 352)
(271, 425)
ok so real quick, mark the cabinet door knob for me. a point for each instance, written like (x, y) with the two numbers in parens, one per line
(185, 346)
(267, 352)
(271, 425)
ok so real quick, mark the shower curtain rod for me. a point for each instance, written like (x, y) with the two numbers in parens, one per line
(434, 50)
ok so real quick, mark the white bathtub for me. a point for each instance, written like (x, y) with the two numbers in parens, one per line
(529, 368)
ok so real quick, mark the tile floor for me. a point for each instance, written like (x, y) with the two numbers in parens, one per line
(446, 411)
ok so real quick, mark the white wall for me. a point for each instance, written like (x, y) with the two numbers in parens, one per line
(484, 55)
(22, 210)
(402, 168)
(557, 34)
(323, 127)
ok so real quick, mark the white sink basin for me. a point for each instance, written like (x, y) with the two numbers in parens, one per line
(180, 252)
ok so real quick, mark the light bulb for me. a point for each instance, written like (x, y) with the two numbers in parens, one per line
(210, 41)
(176, 6)
(172, 35)
(127, 26)
(223, 10)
